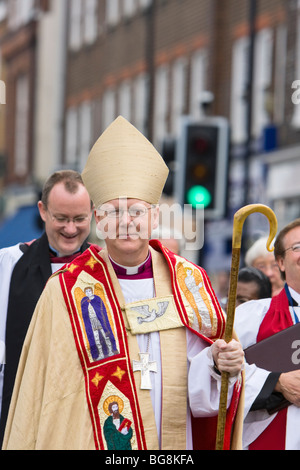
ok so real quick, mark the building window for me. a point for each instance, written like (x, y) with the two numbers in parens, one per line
(112, 12)
(109, 108)
(85, 133)
(198, 82)
(21, 129)
(79, 135)
(161, 104)
(179, 73)
(75, 24)
(71, 137)
(83, 28)
(90, 21)
(97, 119)
(238, 91)
(280, 74)
(19, 12)
(3, 9)
(140, 100)
(144, 3)
(262, 80)
(296, 114)
(125, 100)
(129, 8)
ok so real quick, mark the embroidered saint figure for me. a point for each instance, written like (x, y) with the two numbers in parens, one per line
(99, 333)
(117, 429)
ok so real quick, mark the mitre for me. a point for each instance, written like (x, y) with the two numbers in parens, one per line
(123, 163)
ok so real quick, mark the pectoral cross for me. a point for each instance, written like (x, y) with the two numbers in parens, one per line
(145, 366)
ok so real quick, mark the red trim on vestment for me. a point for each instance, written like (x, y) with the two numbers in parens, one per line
(105, 368)
(277, 318)
(116, 369)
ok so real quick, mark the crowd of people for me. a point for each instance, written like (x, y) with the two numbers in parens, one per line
(121, 347)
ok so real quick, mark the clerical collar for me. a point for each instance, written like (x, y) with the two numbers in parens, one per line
(142, 271)
(52, 251)
(55, 258)
(295, 297)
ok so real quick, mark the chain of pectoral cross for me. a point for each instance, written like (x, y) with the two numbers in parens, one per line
(145, 366)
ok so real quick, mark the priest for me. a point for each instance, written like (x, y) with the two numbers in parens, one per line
(65, 207)
(272, 396)
(163, 372)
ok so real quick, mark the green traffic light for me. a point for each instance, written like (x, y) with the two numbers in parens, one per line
(198, 195)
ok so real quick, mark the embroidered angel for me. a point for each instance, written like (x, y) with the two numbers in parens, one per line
(191, 283)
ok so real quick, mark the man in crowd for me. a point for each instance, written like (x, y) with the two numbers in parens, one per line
(164, 317)
(267, 391)
(65, 207)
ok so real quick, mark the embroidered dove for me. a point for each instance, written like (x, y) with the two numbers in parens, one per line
(150, 316)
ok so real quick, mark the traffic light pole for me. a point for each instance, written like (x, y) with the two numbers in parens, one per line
(201, 158)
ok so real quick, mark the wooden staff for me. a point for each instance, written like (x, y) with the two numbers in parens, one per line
(238, 222)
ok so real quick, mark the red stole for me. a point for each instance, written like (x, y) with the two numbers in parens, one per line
(276, 319)
(115, 372)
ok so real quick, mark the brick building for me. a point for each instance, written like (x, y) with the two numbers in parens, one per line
(167, 52)
(19, 53)
(152, 61)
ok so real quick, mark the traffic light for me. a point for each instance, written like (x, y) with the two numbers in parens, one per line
(202, 162)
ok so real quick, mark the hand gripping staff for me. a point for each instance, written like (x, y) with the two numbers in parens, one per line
(238, 221)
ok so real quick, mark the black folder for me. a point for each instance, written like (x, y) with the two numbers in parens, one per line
(278, 353)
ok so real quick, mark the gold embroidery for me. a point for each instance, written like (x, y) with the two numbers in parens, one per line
(97, 379)
(91, 262)
(191, 283)
(112, 394)
(109, 400)
(119, 373)
(72, 268)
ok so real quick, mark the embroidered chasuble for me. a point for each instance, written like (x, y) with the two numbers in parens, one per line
(103, 404)
(27, 281)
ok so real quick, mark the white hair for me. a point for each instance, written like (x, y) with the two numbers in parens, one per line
(259, 248)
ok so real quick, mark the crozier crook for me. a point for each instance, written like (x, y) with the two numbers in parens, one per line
(238, 222)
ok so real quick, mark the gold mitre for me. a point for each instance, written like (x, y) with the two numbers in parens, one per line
(123, 163)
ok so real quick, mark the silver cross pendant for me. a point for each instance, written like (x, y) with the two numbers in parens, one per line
(145, 366)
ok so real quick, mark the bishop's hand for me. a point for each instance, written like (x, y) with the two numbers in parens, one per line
(228, 357)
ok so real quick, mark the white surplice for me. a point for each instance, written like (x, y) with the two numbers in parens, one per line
(202, 402)
(248, 318)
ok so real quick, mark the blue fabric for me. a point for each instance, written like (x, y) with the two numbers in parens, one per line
(22, 227)
(101, 313)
